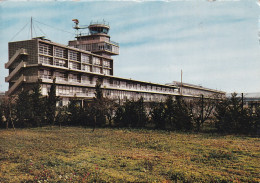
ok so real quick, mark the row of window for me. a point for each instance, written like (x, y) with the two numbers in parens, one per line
(74, 65)
(86, 47)
(116, 94)
(70, 90)
(195, 92)
(103, 46)
(133, 95)
(130, 85)
(60, 52)
(67, 90)
(62, 76)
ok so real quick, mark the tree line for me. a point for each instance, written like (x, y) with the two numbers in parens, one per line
(228, 115)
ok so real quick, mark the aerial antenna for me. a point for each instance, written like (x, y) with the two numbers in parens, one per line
(77, 27)
(31, 28)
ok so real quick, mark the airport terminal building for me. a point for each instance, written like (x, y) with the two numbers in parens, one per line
(78, 65)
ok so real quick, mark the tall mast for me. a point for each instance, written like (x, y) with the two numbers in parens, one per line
(31, 28)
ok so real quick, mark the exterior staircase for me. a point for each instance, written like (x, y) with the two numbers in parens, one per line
(15, 85)
(17, 54)
(22, 78)
(15, 71)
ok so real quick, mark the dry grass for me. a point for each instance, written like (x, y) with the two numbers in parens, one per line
(112, 155)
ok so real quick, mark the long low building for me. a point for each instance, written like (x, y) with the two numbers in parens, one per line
(191, 90)
(77, 67)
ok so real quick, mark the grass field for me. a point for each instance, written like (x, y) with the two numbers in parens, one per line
(72, 154)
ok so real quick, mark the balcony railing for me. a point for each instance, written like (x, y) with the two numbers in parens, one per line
(105, 46)
(115, 43)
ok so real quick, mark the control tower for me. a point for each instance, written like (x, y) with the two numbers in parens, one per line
(97, 41)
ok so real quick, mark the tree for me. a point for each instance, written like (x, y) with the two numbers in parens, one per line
(169, 114)
(24, 110)
(230, 117)
(62, 116)
(75, 112)
(201, 110)
(141, 113)
(88, 116)
(120, 117)
(51, 101)
(8, 110)
(172, 114)
(98, 106)
(131, 114)
(37, 102)
(158, 115)
(183, 119)
(256, 126)
(1, 115)
(110, 107)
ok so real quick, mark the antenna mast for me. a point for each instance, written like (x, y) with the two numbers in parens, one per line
(31, 28)
(76, 21)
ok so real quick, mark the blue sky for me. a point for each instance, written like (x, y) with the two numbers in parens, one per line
(215, 44)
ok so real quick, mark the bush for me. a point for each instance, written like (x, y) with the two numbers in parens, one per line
(131, 114)
(231, 117)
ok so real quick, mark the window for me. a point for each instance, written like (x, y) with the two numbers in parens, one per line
(85, 79)
(88, 47)
(85, 58)
(82, 47)
(94, 47)
(45, 74)
(86, 68)
(106, 71)
(74, 78)
(59, 62)
(45, 49)
(106, 63)
(73, 55)
(96, 61)
(59, 52)
(60, 76)
(96, 69)
(73, 65)
(45, 60)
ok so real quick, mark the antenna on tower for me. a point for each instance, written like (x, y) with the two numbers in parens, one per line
(31, 28)
(76, 21)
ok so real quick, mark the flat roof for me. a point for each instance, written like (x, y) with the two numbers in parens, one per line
(179, 84)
